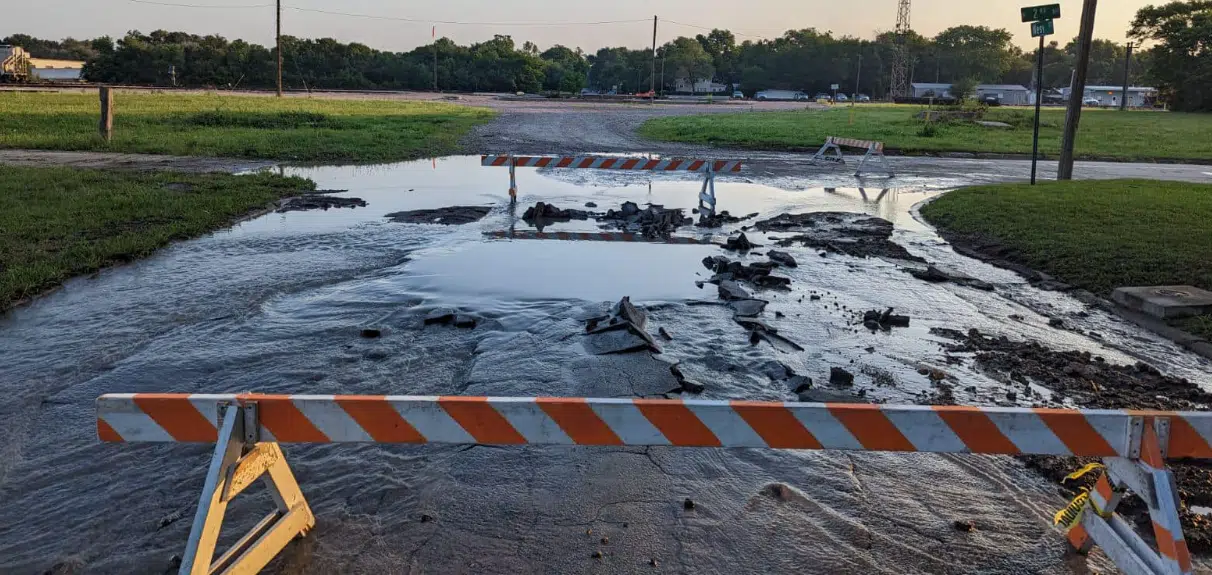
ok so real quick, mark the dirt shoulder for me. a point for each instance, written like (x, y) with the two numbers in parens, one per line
(109, 160)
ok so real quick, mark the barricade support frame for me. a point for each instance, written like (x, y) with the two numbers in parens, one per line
(873, 150)
(239, 460)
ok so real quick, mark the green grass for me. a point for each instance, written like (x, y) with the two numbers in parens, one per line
(59, 222)
(1097, 235)
(1104, 134)
(298, 129)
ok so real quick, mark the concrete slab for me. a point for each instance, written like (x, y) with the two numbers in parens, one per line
(1165, 301)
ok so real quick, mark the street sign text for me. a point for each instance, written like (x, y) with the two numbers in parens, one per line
(1037, 13)
(1044, 28)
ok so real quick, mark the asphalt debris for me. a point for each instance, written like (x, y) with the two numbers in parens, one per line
(933, 274)
(876, 320)
(844, 233)
(447, 316)
(740, 243)
(686, 384)
(652, 222)
(720, 219)
(449, 216)
(543, 213)
(370, 333)
(782, 258)
(319, 201)
(840, 377)
(623, 330)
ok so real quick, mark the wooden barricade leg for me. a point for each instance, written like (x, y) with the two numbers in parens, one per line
(239, 460)
(513, 181)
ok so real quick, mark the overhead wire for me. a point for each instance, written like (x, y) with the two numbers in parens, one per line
(223, 6)
(459, 22)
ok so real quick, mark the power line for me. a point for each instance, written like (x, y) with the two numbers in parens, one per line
(461, 23)
(709, 29)
(223, 6)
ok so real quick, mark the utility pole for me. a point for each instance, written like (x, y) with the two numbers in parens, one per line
(1123, 105)
(1074, 116)
(1039, 100)
(652, 82)
(434, 34)
(278, 35)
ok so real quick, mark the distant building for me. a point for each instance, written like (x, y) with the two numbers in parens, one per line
(1007, 94)
(927, 90)
(699, 87)
(1112, 96)
(48, 70)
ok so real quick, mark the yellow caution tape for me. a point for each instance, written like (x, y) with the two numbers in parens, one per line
(1072, 513)
(1081, 472)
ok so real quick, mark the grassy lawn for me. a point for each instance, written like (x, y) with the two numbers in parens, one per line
(1094, 235)
(1104, 134)
(300, 129)
(59, 222)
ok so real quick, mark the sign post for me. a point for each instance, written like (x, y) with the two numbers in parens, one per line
(835, 88)
(1042, 25)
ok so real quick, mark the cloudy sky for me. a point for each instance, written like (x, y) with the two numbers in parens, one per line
(399, 25)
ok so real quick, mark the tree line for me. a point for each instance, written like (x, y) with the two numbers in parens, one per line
(1179, 62)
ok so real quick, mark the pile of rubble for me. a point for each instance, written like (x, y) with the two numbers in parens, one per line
(842, 233)
(652, 222)
(545, 212)
(319, 201)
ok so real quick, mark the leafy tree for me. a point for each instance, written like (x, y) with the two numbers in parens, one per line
(688, 60)
(975, 52)
(963, 89)
(1181, 61)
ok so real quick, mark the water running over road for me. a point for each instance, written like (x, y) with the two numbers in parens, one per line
(276, 304)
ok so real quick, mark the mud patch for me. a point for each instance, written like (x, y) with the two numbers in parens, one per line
(999, 255)
(1089, 381)
(451, 216)
(842, 233)
(319, 201)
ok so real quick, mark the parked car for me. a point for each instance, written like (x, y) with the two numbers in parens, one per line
(862, 98)
(842, 98)
(784, 95)
(823, 97)
(738, 95)
(991, 100)
(1093, 102)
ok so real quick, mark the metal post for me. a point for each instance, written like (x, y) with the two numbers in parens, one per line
(107, 113)
(435, 58)
(278, 36)
(652, 80)
(1073, 117)
(1039, 96)
(1123, 104)
(513, 181)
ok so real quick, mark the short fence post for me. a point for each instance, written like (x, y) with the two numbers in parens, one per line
(107, 113)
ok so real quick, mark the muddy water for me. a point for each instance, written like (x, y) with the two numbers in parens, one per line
(276, 304)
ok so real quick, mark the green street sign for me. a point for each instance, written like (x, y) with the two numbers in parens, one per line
(1044, 28)
(1039, 13)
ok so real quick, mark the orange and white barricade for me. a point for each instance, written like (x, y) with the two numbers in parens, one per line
(707, 167)
(248, 428)
(835, 145)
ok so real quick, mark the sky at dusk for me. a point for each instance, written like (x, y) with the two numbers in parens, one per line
(545, 22)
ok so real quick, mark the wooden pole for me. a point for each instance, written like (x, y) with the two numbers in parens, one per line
(107, 113)
(652, 83)
(1078, 93)
(278, 37)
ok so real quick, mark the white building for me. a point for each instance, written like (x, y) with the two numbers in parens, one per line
(1007, 94)
(1112, 96)
(699, 87)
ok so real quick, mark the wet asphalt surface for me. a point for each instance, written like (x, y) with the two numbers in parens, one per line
(276, 304)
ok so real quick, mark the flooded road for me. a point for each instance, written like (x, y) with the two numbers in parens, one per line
(276, 304)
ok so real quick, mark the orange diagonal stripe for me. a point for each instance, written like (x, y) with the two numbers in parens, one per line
(481, 420)
(579, 421)
(695, 165)
(1165, 541)
(1150, 448)
(1077, 536)
(379, 419)
(279, 415)
(107, 433)
(679, 425)
(976, 430)
(870, 427)
(177, 416)
(1075, 432)
(776, 425)
(1183, 555)
(1103, 488)
(630, 164)
(1185, 441)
